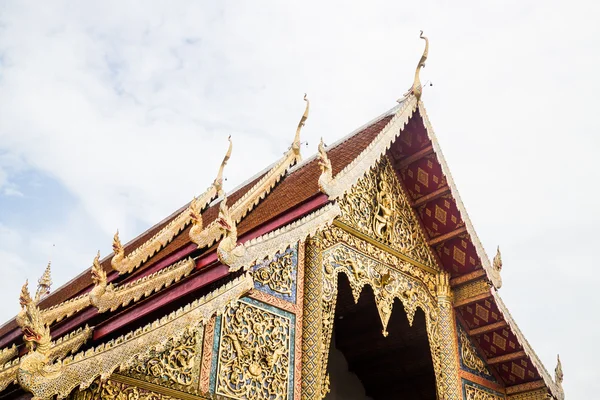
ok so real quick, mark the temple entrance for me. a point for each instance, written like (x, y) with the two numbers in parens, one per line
(365, 365)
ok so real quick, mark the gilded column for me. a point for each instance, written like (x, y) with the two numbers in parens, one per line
(448, 382)
(312, 330)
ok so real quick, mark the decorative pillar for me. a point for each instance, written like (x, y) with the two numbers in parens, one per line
(312, 321)
(448, 382)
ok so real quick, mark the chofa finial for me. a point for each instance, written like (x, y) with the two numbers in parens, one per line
(219, 179)
(416, 88)
(44, 284)
(296, 144)
(498, 260)
(558, 372)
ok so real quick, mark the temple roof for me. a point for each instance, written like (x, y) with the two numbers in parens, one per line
(290, 190)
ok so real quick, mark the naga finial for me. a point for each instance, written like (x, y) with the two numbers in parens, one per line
(326, 177)
(498, 260)
(24, 296)
(296, 144)
(44, 284)
(218, 183)
(116, 245)
(558, 372)
(98, 273)
(416, 88)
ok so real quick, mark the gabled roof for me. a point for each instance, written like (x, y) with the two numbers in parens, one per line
(405, 135)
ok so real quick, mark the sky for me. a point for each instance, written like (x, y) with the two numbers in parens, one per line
(114, 114)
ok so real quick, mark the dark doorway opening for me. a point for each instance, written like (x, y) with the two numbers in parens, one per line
(395, 367)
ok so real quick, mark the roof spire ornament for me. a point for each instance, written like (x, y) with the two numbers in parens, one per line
(296, 144)
(326, 177)
(558, 372)
(218, 182)
(416, 88)
(44, 284)
(498, 260)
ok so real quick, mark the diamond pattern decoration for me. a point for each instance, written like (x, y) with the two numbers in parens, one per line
(451, 255)
(517, 372)
(442, 212)
(423, 176)
(480, 313)
(412, 139)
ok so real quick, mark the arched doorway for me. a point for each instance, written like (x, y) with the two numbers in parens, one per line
(363, 364)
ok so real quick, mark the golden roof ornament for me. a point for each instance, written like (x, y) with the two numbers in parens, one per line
(296, 144)
(326, 177)
(44, 284)
(558, 372)
(498, 260)
(416, 88)
(218, 182)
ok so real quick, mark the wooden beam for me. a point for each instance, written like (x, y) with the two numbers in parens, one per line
(507, 357)
(488, 328)
(414, 157)
(471, 276)
(431, 196)
(525, 387)
(447, 236)
(473, 299)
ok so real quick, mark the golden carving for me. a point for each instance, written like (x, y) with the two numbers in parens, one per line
(497, 264)
(473, 392)
(558, 372)
(209, 235)
(112, 390)
(7, 354)
(268, 245)
(378, 207)
(177, 367)
(446, 351)
(44, 284)
(540, 394)
(326, 177)
(417, 89)
(228, 251)
(125, 264)
(108, 297)
(277, 274)
(80, 370)
(469, 355)
(471, 289)
(254, 355)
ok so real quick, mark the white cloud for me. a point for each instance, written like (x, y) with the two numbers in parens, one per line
(128, 105)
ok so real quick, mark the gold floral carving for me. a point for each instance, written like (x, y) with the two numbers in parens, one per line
(266, 246)
(277, 274)
(8, 354)
(177, 367)
(378, 207)
(469, 355)
(254, 354)
(446, 352)
(207, 354)
(83, 368)
(125, 264)
(213, 231)
(112, 390)
(475, 393)
(540, 394)
(65, 309)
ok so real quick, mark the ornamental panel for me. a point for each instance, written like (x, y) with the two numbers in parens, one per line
(255, 352)
(277, 276)
(112, 390)
(473, 391)
(377, 207)
(470, 360)
(177, 367)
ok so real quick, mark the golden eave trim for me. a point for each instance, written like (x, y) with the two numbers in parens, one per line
(81, 369)
(382, 246)
(161, 389)
(554, 388)
(348, 177)
(492, 274)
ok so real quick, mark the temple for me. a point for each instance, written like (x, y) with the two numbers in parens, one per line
(352, 274)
